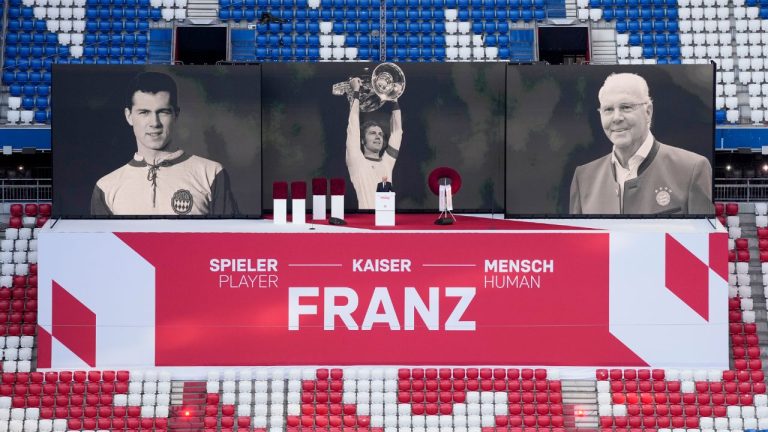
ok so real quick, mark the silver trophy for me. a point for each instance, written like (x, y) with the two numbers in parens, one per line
(386, 83)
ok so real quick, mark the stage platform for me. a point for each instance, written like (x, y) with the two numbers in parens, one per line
(586, 292)
(405, 222)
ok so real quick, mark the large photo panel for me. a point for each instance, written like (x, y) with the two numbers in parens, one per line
(449, 115)
(621, 141)
(165, 141)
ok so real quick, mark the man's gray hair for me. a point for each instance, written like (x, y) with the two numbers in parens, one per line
(626, 80)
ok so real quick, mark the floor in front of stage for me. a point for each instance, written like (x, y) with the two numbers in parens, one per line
(426, 222)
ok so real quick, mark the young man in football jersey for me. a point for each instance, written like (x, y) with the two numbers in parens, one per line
(161, 179)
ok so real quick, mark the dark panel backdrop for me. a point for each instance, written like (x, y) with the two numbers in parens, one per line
(220, 119)
(553, 125)
(453, 115)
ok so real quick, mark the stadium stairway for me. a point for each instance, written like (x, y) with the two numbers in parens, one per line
(580, 404)
(187, 406)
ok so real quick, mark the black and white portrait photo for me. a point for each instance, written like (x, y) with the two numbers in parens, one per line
(165, 141)
(609, 140)
(161, 179)
(641, 175)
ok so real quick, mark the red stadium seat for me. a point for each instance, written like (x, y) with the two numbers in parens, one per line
(719, 209)
(45, 209)
(742, 244)
(731, 256)
(15, 222)
(731, 209)
(30, 210)
(743, 256)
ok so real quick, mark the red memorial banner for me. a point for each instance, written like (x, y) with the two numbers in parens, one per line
(374, 298)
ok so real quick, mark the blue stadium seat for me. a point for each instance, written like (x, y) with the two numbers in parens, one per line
(14, 89)
(647, 39)
(720, 116)
(261, 52)
(476, 14)
(539, 15)
(438, 27)
(645, 26)
(634, 39)
(503, 40)
(674, 52)
(621, 27)
(41, 102)
(300, 40)
(43, 90)
(390, 53)
(11, 51)
(27, 103)
(364, 53)
(672, 14)
(89, 51)
(661, 51)
(414, 52)
(463, 15)
(646, 13)
(526, 15)
(10, 63)
(504, 53)
(633, 26)
(491, 40)
(363, 40)
(490, 27)
(313, 53)
(648, 52)
(313, 40)
(41, 117)
(608, 14)
(36, 63)
(313, 27)
(438, 14)
(477, 27)
(633, 14)
(155, 14)
(29, 90)
(401, 53)
(672, 26)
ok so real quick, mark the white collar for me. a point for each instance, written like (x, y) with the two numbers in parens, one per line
(167, 156)
(639, 155)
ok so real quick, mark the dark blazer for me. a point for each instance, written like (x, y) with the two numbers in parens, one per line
(384, 187)
(669, 181)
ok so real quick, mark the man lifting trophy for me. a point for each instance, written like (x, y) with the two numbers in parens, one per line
(372, 150)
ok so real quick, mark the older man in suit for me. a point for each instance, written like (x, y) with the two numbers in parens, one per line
(641, 175)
